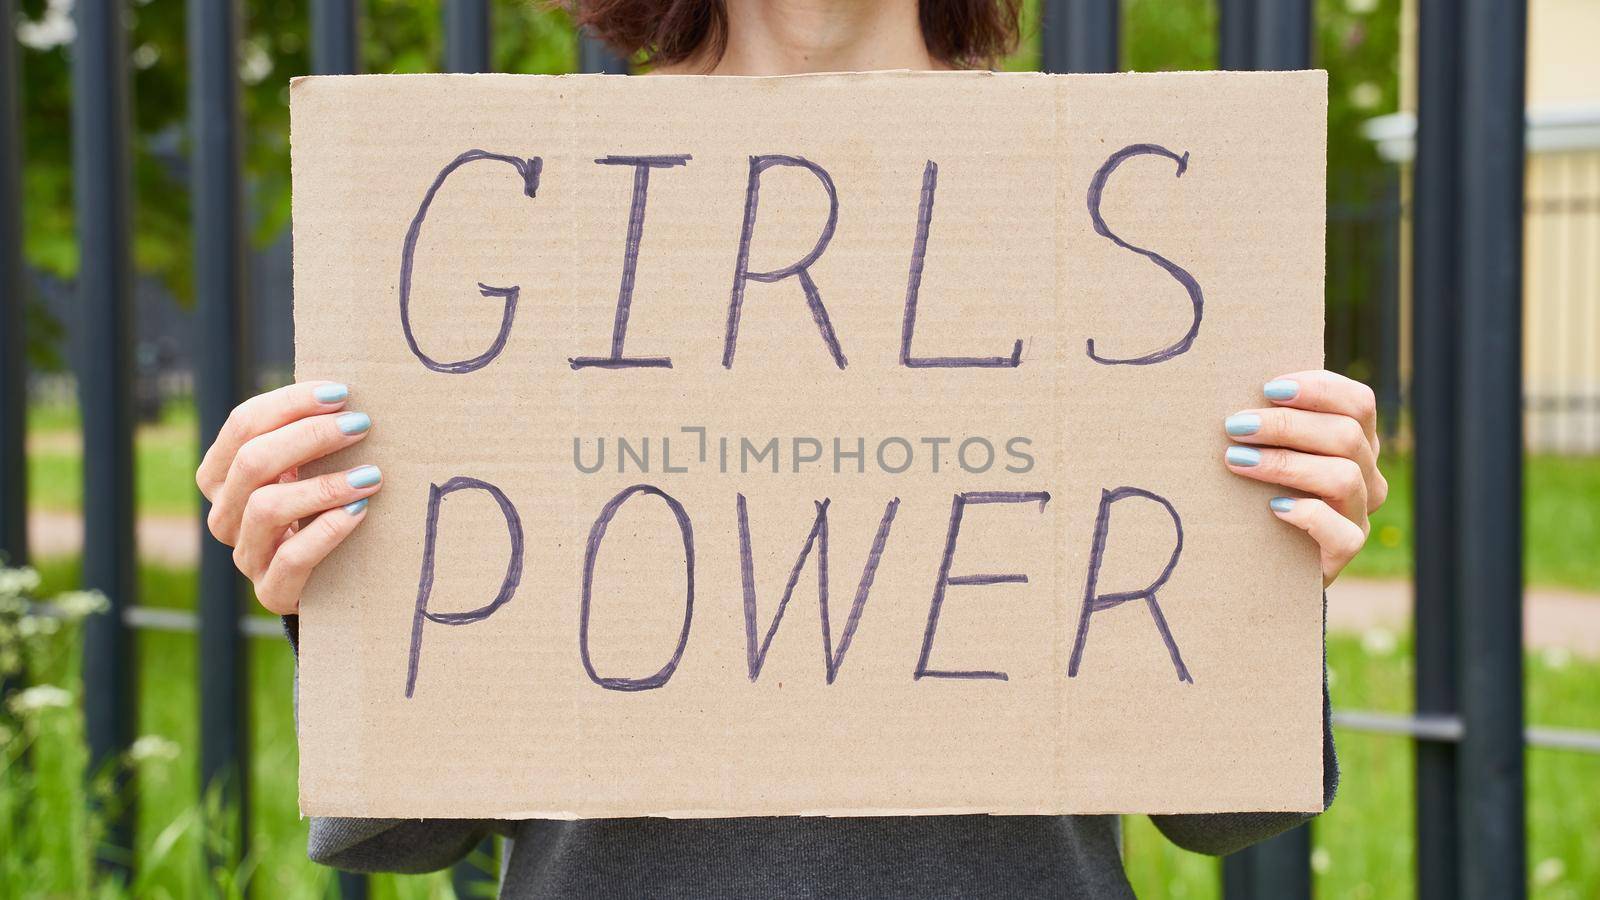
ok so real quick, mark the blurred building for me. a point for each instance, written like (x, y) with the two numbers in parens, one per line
(1562, 225)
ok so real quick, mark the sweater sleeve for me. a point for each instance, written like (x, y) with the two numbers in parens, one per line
(1219, 834)
(387, 845)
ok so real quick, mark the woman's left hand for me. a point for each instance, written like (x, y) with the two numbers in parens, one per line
(1319, 438)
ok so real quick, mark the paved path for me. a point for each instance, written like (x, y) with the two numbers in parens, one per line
(166, 540)
(1553, 618)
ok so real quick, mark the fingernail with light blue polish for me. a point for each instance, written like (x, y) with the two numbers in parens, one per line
(1243, 456)
(1281, 504)
(363, 476)
(1243, 423)
(331, 393)
(355, 508)
(353, 423)
(1281, 389)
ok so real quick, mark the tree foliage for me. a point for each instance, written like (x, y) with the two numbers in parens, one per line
(397, 36)
(1356, 40)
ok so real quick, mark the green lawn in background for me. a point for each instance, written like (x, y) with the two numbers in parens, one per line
(169, 824)
(1364, 846)
(165, 457)
(1562, 528)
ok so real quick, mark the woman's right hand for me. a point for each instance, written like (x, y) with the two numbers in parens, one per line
(278, 525)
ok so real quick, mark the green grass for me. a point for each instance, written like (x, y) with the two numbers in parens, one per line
(1364, 846)
(48, 855)
(165, 456)
(1561, 525)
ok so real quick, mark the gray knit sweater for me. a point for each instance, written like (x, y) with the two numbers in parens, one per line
(898, 856)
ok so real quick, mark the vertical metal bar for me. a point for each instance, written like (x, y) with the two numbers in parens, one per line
(1238, 876)
(1236, 51)
(1387, 357)
(466, 35)
(476, 876)
(1282, 35)
(1236, 34)
(352, 886)
(335, 37)
(595, 57)
(1278, 35)
(466, 49)
(13, 339)
(223, 380)
(13, 309)
(1489, 484)
(336, 50)
(1435, 332)
(105, 379)
(1080, 36)
(1283, 865)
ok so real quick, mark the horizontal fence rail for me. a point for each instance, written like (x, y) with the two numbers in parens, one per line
(1430, 728)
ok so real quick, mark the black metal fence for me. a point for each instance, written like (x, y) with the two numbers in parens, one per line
(1466, 397)
(1362, 312)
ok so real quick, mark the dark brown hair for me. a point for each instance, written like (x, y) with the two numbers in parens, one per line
(959, 33)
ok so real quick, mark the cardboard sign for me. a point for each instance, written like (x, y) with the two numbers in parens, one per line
(844, 444)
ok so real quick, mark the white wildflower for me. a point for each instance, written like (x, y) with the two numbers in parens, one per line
(1378, 642)
(78, 604)
(53, 28)
(1557, 657)
(40, 697)
(1320, 860)
(1361, 7)
(255, 63)
(29, 626)
(1366, 95)
(145, 56)
(1549, 871)
(16, 582)
(152, 747)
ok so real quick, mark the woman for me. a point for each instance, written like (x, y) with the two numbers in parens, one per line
(1314, 434)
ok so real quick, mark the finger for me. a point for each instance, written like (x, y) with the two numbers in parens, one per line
(272, 509)
(1328, 392)
(1338, 538)
(259, 415)
(1333, 478)
(263, 460)
(280, 586)
(1319, 433)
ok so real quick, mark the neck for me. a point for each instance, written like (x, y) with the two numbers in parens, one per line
(790, 37)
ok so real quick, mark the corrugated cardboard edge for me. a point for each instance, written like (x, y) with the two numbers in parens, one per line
(299, 84)
(843, 812)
